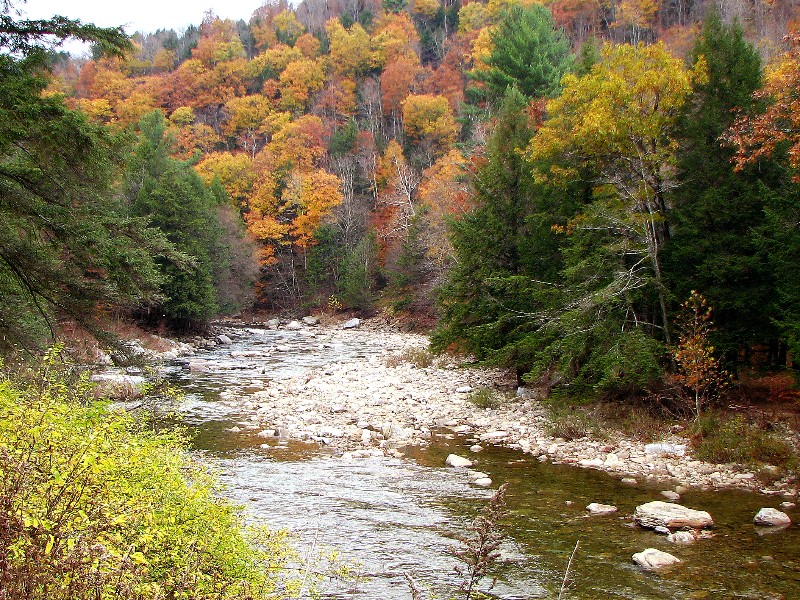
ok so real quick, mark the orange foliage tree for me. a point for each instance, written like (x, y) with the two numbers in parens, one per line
(758, 136)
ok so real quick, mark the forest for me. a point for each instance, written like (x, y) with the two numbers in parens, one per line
(600, 195)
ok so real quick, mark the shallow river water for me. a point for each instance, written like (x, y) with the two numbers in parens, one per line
(394, 516)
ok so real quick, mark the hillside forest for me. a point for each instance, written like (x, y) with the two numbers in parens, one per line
(602, 196)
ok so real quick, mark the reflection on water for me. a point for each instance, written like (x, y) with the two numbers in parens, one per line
(395, 516)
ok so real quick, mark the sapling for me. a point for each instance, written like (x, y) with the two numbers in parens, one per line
(479, 549)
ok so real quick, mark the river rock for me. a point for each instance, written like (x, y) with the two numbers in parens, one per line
(309, 320)
(670, 515)
(494, 436)
(671, 496)
(601, 509)
(665, 449)
(483, 481)
(682, 537)
(652, 559)
(772, 517)
(118, 385)
(273, 323)
(294, 325)
(454, 460)
(199, 365)
(351, 324)
(475, 448)
(224, 339)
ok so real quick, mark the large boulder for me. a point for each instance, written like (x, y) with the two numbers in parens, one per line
(771, 517)
(652, 559)
(672, 516)
(351, 324)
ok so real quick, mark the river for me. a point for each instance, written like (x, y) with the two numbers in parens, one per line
(390, 516)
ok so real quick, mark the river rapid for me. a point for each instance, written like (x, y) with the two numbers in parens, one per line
(390, 506)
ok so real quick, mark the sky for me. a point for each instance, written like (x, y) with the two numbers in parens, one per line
(138, 15)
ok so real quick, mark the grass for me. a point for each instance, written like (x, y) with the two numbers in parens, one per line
(602, 419)
(719, 438)
(419, 357)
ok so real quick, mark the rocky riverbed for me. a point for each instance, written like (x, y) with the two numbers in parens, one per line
(393, 395)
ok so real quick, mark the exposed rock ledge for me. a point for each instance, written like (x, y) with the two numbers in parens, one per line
(383, 402)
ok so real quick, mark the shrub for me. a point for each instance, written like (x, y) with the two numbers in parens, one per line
(485, 398)
(569, 422)
(94, 506)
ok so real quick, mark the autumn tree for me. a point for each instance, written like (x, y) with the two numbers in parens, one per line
(771, 136)
(429, 119)
(699, 369)
(620, 119)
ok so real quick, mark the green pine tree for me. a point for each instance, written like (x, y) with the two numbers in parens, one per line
(528, 52)
(716, 212)
(175, 200)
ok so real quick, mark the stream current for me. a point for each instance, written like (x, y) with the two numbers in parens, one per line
(391, 516)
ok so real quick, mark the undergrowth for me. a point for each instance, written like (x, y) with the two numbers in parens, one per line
(95, 506)
(724, 439)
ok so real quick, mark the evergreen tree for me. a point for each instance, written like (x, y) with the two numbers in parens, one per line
(528, 53)
(175, 200)
(503, 249)
(717, 212)
(68, 249)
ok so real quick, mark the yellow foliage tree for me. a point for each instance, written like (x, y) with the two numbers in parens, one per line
(429, 118)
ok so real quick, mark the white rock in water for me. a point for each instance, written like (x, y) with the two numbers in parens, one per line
(351, 324)
(464, 389)
(652, 559)
(682, 537)
(274, 323)
(294, 325)
(673, 516)
(199, 366)
(670, 495)
(366, 437)
(601, 509)
(224, 339)
(454, 460)
(475, 448)
(628, 481)
(309, 320)
(772, 517)
(483, 482)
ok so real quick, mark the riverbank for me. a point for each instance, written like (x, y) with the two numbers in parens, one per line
(397, 395)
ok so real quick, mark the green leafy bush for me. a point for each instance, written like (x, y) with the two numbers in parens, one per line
(94, 505)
